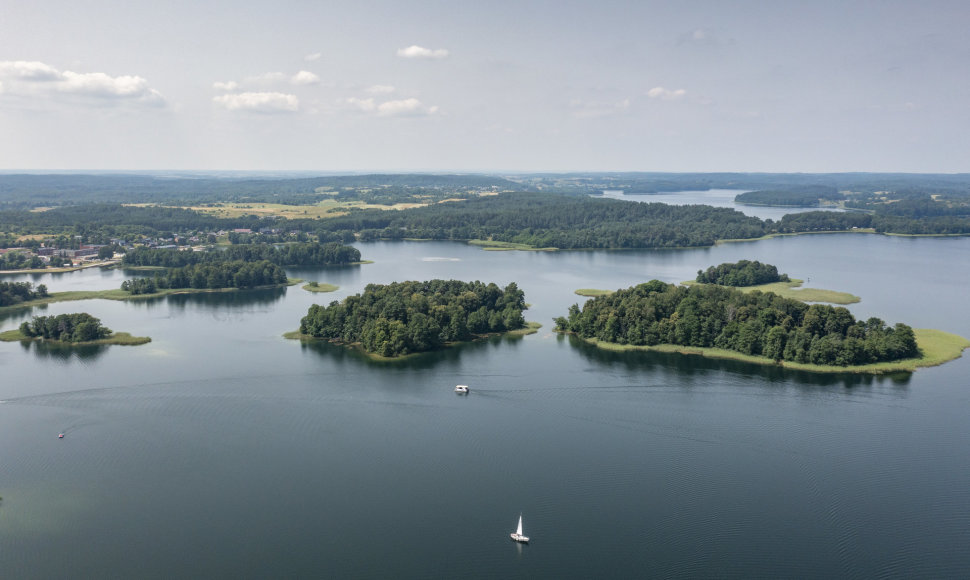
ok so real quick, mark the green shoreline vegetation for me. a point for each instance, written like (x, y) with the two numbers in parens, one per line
(592, 292)
(793, 289)
(118, 294)
(763, 325)
(529, 328)
(936, 347)
(120, 338)
(401, 318)
(318, 287)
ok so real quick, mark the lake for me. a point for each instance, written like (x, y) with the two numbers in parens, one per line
(222, 450)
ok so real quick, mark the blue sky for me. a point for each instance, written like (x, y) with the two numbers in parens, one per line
(476, 86)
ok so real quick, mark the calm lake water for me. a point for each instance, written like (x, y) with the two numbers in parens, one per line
(222, 450)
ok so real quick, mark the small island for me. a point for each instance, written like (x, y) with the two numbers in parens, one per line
(314, 286)
(749, 276)
(403, 318)
(759, 327)
(75, 329)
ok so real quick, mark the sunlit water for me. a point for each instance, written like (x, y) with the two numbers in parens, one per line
(222, 450)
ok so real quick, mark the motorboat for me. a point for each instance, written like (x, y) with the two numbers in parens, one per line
(461, 389)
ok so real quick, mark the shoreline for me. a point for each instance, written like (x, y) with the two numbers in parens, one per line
(529, 328)
(121, 295)
(119, 338)
(936, 347)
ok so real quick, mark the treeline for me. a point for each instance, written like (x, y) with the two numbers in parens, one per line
(297, 254)
(78, 327)
(20, 261)
(550, 220)
(236, 274)
(12, 293)
(28, 191)
(741, 273)
(755, 323)
(829, 221)
(407, 317)
(803, 197)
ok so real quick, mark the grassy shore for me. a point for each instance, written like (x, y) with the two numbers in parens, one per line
(119, 294)
(936, 347)
(122, 338)
(507, 246)
(792, 289)
(318, 287)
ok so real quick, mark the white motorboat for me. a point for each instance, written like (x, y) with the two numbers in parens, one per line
(517, 534)
(461, 389)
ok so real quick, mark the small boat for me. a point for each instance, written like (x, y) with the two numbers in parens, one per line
(60, 435)
(461, 389)
(517, 534)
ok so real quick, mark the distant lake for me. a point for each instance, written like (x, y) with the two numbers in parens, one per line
(712, 197)
(222, 450)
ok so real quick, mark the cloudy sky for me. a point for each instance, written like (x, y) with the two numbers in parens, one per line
(486, 86)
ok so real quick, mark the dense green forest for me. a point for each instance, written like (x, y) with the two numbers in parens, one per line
(539, 210)
(78, 327)
(27, 191)
(12, 293)
(549, 220)
(235, 274)
(407, 317)
(754, 323)
(297, 254)
(808, 196)
(741, 273)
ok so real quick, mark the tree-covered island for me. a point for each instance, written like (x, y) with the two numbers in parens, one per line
(758, 324)
(77, 328)
(400, 318)
(741, 273)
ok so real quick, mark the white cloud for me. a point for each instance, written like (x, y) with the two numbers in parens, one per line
(398, 108)
(666, 94)
(313, 57)
(39, 79)
(380, 89)
(415, 51)
(305, 77)
(228, 86)
(29, 70)
(259, 102)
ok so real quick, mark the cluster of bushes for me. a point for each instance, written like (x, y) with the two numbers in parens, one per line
(741, 273)
(755, 323)
(236, 274)
(16, 292)
(407, 317)
(79, 327)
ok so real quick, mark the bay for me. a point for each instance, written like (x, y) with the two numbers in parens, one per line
(222, 450)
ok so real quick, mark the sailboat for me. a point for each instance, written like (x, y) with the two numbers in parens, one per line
(517, 534)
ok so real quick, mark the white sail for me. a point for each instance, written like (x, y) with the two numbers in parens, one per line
(518, 530)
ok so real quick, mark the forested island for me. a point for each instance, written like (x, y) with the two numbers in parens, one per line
(77, 328)
(235, 274)
(400, 318)
(293, 254)
(759, 324)
(741, 273)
